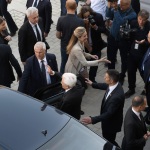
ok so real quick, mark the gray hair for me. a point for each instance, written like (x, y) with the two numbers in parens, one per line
(144, 14)
(40, 44)
(31, 10)
(70, 79)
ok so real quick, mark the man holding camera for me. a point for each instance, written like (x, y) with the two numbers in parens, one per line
(139, 46)
(119, 14)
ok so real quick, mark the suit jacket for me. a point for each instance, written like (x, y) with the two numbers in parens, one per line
(32, 79)
(135, 5)
(111, 114)
(7, 60)
(97, 42)
(146, 64)
(45, 12)
(27, 39)
(71, 102)
(77, 59)
(134, 130)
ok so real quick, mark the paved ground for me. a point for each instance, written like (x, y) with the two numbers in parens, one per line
(92, 99)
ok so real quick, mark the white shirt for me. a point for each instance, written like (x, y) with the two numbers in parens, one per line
(34, 29)
(99, 6)
(47, 74)
(111, 88)
(37, 2)
(137, 113)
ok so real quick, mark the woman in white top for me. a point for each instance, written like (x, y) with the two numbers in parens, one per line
(77, 59)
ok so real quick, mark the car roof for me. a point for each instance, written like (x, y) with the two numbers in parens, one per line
(25, 121)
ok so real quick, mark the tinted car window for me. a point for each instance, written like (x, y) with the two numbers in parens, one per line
(75, 136)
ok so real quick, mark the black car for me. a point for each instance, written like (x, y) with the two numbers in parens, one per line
(29, 124)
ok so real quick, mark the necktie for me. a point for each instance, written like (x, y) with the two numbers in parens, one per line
(107, 91)
(43, 70)
(38, 34)
(35, 3)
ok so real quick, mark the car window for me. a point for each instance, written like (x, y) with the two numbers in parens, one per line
(75, 136)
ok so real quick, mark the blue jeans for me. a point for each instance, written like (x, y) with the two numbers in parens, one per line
(64, 58)
(3, 12)
(63, 7)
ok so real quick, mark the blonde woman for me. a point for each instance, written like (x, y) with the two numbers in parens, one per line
(77, 59)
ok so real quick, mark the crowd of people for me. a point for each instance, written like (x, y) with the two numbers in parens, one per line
(127, 29)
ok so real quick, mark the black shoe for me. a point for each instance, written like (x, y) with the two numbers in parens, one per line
(129, 93)
(12, 34)
(81, 112)
(143, 92)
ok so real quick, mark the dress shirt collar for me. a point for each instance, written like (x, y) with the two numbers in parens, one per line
(45, 60)
(34, 2)
(111, 88)
(32, 25)
(137, 113)
(67, 90)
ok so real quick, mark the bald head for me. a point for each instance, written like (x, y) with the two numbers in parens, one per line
(71, 5)
(125, 4)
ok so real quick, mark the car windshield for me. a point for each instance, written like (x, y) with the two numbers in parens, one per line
(75, 136)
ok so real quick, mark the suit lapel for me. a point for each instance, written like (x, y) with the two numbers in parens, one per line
(31, 30)
(104, 102)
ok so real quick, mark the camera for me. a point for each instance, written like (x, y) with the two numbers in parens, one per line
(91, 20)
(125, 31)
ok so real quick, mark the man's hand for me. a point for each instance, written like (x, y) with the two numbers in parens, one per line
(24, 63)
(95, 27)
(140, 42)
(8, 38)
(94, 56)
(145, 136)
(86, 120)
(88, 81)
(49, 70)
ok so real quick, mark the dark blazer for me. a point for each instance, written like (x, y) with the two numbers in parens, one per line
(45, 12)
(111, 114)
(146, 72)
(27, 39)
(97, 42)
(7, 60)
(32, 79)
(134, 130)
(2, 37)
(136, 5)
(71, 102)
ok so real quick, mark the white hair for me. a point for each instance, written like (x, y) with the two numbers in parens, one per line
(40, 44)
(31, 10)
(69, 79)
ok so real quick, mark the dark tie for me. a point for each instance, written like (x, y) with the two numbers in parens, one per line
(107, 91)
(35, 3)
(38, 34)
(43, 70)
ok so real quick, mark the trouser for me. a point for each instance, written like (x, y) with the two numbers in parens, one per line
(134, 63)
(110, 137)
(10, 22)
(63, 7)
(64, 58)
(93, 69)
(113, 46)
(148, 93)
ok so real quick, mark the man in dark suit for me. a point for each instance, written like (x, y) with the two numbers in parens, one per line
(146, 71)
(45, 12)
(111, 114)
(10, 22)
(135, 132)
(7, 60)
(38, 71)
(71, 102)
(30, 33)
